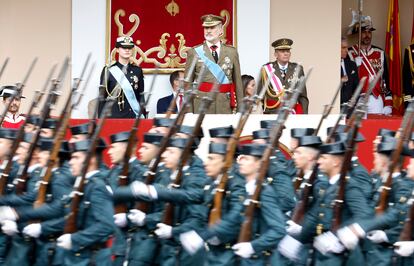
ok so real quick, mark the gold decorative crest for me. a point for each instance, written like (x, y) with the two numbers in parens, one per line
(173, 8)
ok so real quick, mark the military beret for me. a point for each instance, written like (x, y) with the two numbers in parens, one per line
(8, 133)
(282, 44)
(163, 122)
(309, 141)
(49, 123)
(84, 145)
(211, 20)
(178, 143)
(124, 42)
(261, 134)
(221, 132)
(219, 148)
(335, 148)
(267, 124)
(120, 137)
(10, 90)
(300, 132)
(386, 132)
(80, 129)
(253, 149)
(153, 138)
(33, 119)
(344, 136)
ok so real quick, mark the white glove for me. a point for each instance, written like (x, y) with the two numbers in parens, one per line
(64, 241)
(9, 227)
(137, 217)
(244, 249)
(163, 231)
(377, 236)
(293, 228)
(358, 60)
(328, 242)
(33, 230)
(191, 242)
(120, 219)
(387, 110)
(290, 248)
(139, 189)
(7, 213)
(348, 238)
(404, 248)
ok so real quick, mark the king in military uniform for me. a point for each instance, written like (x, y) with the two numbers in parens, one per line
(124, 81)
(222, 63)
(408, 74)
(281, 73)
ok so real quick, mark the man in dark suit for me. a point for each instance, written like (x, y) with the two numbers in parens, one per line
(163, 103)
(349, 73)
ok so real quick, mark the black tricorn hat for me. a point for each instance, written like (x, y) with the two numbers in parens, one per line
(389, 144)
(343, 137)
(80, 129)
(221, 132)
(49, 123)
(300, 132)
(386, 132)
(45, 144)
(28, 137)
(219, 148)
(120, 137)
(33, 119)
(64, 147)
(261, 134)
(163, 122)
(309, 141)
(84, 145)
(8, 133)
(267, 124)
(253, 149)
(335, 148)
(178, 143)
(153, 138)
(189, 130)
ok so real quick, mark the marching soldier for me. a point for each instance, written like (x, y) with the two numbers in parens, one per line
(222, 63)
(408, 74)
(32, 124)
(125, 76)
(79, 132)
(48, 128)
(268, 224)
(280, 73)
(221, 236)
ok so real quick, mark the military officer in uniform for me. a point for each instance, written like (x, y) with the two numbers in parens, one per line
(127, 78)
(222, 63)
(281, 75)
(221, 235)
(408, 74)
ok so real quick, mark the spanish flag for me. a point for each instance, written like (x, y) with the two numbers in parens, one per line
(393, 52)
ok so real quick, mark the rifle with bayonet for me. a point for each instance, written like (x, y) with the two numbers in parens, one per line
(20, 134)
(153, 165)
(168, 216)
(246, 228)
(58, 139)
(3, 67)
(22, 174)
(78, 189)
(402, 136)
(132, 142)
(249, 104)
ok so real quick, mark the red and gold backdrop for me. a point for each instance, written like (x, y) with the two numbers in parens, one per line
(163, 30)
